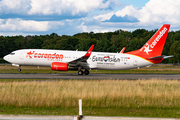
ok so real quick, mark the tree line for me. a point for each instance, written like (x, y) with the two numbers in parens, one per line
(104, 42)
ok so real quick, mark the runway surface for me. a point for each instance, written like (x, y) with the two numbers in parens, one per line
(46, 117)
(91, 76)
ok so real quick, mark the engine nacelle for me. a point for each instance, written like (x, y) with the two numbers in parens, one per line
(59, 66)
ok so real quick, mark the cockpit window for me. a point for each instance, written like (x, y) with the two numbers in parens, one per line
(12, 53)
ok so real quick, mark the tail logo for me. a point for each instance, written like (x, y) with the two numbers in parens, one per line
(146, 49)
(161, 33)
(154, 42)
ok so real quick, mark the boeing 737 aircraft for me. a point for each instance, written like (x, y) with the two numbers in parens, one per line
(63, 60)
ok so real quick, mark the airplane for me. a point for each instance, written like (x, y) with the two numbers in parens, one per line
(83, 61)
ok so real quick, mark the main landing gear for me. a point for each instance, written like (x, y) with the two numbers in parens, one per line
(19, 69)
(86, 72)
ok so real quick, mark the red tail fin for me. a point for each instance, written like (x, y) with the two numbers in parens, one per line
(155, 44)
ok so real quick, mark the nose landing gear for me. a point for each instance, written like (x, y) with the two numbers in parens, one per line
(19, 69)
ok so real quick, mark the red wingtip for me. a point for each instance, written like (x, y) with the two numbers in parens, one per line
(88, 54)
(122, 51)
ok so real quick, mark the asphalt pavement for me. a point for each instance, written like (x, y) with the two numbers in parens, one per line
(70, 76)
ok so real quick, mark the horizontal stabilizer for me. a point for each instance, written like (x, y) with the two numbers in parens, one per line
(168, 56)
(156, 58)
(159, 57)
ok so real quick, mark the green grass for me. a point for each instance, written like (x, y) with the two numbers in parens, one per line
(38, 110)
(131, 112)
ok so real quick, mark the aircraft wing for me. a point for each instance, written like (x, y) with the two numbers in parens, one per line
(82, 61)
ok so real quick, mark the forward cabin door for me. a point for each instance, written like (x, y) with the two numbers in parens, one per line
(21, 57)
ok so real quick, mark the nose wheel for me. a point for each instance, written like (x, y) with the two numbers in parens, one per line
(19, 69)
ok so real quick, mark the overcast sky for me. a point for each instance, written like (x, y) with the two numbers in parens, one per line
(69, 17)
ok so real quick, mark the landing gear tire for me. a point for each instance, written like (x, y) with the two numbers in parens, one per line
(86, 72)
(19, 69)
(80, 72)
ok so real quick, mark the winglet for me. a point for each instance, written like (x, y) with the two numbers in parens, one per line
(88, 54)
(122, 51)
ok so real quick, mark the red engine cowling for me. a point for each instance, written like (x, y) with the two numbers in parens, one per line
(59, 66)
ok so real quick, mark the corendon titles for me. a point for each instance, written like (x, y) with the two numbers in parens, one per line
(156, 40)
(161, 33)
(33, 54)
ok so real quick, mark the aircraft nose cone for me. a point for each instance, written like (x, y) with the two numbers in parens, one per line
(6, 58)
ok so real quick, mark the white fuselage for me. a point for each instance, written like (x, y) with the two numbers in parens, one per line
(97, 60)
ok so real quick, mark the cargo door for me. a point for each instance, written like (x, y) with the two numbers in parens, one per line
(135, 61)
